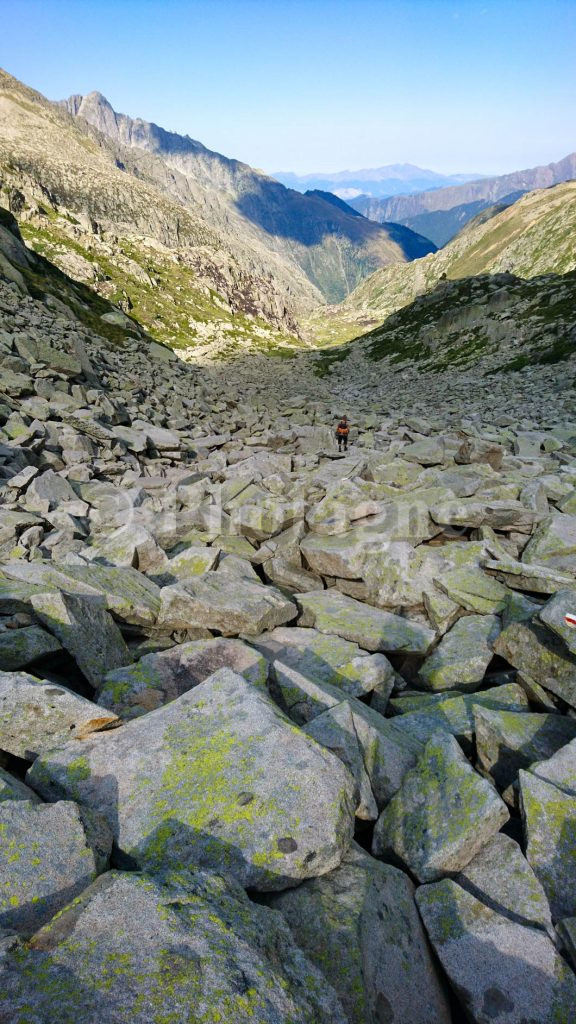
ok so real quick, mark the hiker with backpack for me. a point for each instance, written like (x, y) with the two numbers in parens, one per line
(342, 431)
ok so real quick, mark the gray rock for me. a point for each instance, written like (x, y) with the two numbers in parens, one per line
(441, 816)
(501, 971)
(161, 677)
(48, 855)
(209, 954)
(507, 741)
(218, 777)
(328, 659)
(455, 713)
(36, 715)
(554, 544)
(462, 656)
(360, 927)
(560, 769)
(553, 615)
(374, 630)
(540, 657)
(12, 789)
(86, 630)
(500, 877)
(335, 730)
(549, 821)
(216, 601)
(477, 450)
(47, 491)
(21, 647)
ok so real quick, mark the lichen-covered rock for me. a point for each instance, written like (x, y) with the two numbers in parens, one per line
(329, 659)
(36, 715)
(49, 853)
(502, 878)
(370, 628)
(454, 713)
(84, 627)
(215, 600)
(21, 647)
(441, 816)
(360, 927)
(196, 949)
(554, 544)
(540, 657)
(461, 658)
(218, 777)
(161, 677)
(502, 972)
(549, 822)
(507, 741)
(567, 936)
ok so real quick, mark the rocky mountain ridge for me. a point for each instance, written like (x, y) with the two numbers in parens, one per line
(192, 267)
(441, 213)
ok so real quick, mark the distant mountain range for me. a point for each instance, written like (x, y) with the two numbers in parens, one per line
(391, 180)
(439, 213)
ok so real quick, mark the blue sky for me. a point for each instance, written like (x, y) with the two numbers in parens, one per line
(313, 85)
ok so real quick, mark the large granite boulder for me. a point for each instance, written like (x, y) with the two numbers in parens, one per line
(461, 658)
(36, 715)
(163, 676)
(218, 777)
(216, 601)
(502, 971)
(191, 947)
(372, 629)
(442, 814)
(360, 927)
(549, 821)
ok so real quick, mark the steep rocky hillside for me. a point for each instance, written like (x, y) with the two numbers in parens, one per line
(532, 239)
(285, 735)
(334, 248)
(441, 213)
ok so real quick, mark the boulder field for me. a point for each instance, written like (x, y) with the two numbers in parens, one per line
(286, 737)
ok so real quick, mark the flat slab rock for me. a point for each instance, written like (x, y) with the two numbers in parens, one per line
(161, 677)
(218, 777)
(216, 601)
(371, 628)
(49, 853)
(360, 927)
(196, 949)
(501, 971)
(560, 769)
(36, 715)
(442, 814)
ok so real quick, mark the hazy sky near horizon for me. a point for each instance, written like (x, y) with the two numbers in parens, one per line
(319, 85)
